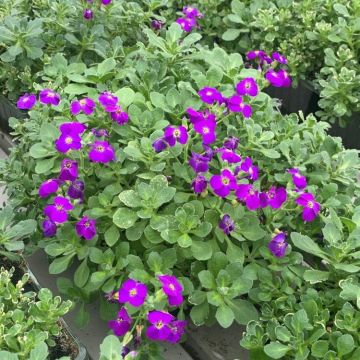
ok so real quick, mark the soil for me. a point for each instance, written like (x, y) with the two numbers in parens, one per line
(64, 343)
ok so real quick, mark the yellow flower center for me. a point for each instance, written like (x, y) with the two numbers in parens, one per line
(310, 204)
(159, 325)
(100, 148)
(133, 292)
(209, 93)
(59, 207)
(87, 224)
(225, 181)
(68, 165)
(177, 133)
(68, 140)
(82, 102)
(206, 130)
(251, 192)
(171, 287)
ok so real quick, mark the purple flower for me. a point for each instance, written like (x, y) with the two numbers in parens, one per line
(224, 183)
(69, 170)
(159, 145)
(226, 224)
(191, 12)
(48, 187)
(231, 143)
(86, 228)
(199, 163)
(174, 134)
(133, 292)
(172, 288)
(26, 102)
(310, 207)
(49, 228)
(157, 24)
(100, 132)
(209, 152)
(177, 329)
(86, 105)
(210, 95)
(68, 142)
(229, 155)
(278, 245)
(235, 104)
(279, 58)
(159, 329)
(248, 167)
(105, 2)
(108, 101)
(121, 325)
(207, 130)
(120, 116)
(88, 14)
(195, 116)
(76, 190)
(57, 212)
(256, 54)
(278, 79)
(248, 86)
(247, 194)
(186, 24)
(298, 179)
(102, 152)
(48, 96)
(275, 197)
(199, 184)
(74, 127)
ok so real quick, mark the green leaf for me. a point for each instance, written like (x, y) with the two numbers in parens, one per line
(126, 96)
(276, 350)
(331, 233)
(341, 10)
(225, 316)
(184, 241)
(306, 244)
(159, 100)
(207, 279)
(39, 352)
(244, 311)
(345, 344)
(231, 34)
(201, 250)
(270, 153)
(77, 89)
(124, 218)
(199, 313)
(21, 229)
(316, 276)
(82, 274)
(5, 355)
(320, 348)
(45, 165)
(112, 236)
(60, 264)
(38, 151)
(106, 67)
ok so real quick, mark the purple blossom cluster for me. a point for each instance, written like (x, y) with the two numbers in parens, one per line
(46, 97)
(274, 66)
(189, 21)
(162, 325)
(88, 13)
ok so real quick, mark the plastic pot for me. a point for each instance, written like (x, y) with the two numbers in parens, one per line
(65, 330)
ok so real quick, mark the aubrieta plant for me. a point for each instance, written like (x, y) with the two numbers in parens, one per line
(175, 187)
(29, 321)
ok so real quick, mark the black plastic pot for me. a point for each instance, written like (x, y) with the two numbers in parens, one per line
(8, 110)
(303, 98)
(81, 352)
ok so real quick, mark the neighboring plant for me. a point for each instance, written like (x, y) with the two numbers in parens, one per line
(320, 39)
(12, 233)
(29, 321)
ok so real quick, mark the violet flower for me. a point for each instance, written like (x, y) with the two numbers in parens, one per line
(311, 208)
(100, 132)
(174, 134)
(255, 54)
(49, 228)
(86, 228)
(298, 179)
(133, 292)
(172, 288)
(278, 245)
(191, 12)
(210, 95)
(108, 101)
(26, 102)
(86, 105)
(199, 163)
(105, 2)
(74, 127)
(157, 24)
(236, 104)
(48, 187)
(159, 145)
(121, 325)
(231, 143)
(69, 170)
(226, 224)
(247, 86)
(206, 129)
(247, 194)
(88, 14)
(195, 116)
(199, 184)
(278, 79)
(224, 183)
(248, 167)
(159, 329)
(229, 155)
(48, 96)
(101, 152)
(120, 116)
(186, 24)
(57, 212)
(279, 58)
(275, 197)
(68, 142)
(177, 329)
(76, 190)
